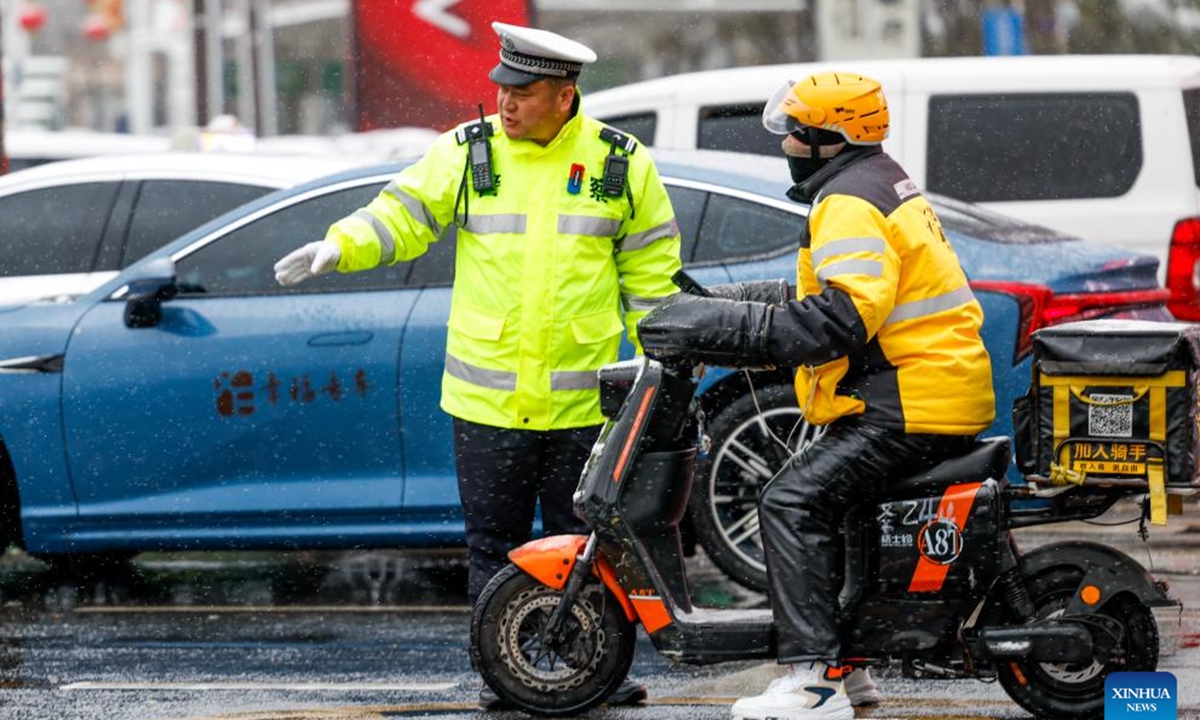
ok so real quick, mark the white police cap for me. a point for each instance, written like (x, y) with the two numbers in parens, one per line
(529, 54)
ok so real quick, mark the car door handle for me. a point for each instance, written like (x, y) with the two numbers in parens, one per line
(343, 338)
(33, 364)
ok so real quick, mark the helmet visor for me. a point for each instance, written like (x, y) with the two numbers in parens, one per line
(774, 119)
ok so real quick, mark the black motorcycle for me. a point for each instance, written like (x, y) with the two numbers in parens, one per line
(934, 578)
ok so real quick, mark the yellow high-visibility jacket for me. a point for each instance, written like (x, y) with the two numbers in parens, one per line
(898, 323)
(542, 274)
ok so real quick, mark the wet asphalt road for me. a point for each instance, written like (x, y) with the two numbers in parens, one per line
(377, 635)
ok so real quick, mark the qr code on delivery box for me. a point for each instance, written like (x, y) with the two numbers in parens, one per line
(1110, 416)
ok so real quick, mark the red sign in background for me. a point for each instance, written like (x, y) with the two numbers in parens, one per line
(426, 62)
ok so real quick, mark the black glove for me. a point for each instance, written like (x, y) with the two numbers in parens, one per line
(708, 330)
(771, 292)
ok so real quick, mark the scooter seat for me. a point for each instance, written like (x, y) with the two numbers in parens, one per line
(987, 459)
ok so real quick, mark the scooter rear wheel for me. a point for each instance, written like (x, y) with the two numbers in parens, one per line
(526, 669)
(1065, 690)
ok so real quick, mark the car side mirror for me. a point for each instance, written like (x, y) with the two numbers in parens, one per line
(149, 285)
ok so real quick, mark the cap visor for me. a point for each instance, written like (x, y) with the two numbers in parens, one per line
(504, 75)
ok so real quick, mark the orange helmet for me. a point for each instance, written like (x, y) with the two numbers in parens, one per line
(845, 103)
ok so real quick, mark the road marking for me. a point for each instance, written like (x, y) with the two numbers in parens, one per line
(292, 687)
(387, 711)
(273, 609)
(343, 713)
(895, 708)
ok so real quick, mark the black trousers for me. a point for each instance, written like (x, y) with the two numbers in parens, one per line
(502, 475)
(801, 512)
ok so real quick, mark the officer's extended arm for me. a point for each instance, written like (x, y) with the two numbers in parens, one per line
(412, 211)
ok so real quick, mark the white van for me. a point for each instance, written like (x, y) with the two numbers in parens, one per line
(1106, 147)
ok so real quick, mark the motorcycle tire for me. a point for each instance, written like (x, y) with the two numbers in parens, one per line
(1076, 691)
(742, 459)
(524, 671)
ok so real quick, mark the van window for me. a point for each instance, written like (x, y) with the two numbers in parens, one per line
(737, 128)
(640, 125)
(992, 148)
(1191, 108)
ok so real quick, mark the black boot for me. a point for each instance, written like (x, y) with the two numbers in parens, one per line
(627, 693)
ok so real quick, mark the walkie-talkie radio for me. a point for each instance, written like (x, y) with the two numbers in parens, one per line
(616, 167)
(479, 149)
(478, 165)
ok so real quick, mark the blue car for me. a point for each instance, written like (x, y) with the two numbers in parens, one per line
(191, 403)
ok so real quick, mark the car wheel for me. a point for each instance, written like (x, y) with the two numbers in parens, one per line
(751, 441)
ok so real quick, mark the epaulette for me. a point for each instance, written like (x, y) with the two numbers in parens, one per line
(618, 138)
(467, 133)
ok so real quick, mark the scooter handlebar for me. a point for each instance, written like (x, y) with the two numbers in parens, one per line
(686, 283)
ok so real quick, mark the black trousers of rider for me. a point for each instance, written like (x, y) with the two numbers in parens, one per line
(801, 512)
(502, 475)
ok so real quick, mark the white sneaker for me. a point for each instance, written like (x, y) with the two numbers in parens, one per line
(861, 689)
(806, 692)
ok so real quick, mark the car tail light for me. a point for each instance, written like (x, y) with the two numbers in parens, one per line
(1183, 265)
(1039, 307)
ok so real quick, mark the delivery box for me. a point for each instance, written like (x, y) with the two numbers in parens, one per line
(1112, 399)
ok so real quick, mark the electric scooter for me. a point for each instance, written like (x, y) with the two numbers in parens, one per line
(934, 579)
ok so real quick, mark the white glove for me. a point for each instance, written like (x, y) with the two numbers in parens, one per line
(315, 258)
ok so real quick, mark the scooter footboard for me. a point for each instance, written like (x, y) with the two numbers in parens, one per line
(550, 560)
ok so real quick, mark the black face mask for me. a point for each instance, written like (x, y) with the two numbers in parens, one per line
(802, 168)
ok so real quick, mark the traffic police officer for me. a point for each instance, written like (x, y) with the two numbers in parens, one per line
(886, 331)
(564, 230)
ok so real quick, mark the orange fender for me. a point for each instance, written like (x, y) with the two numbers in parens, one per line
(550, 559)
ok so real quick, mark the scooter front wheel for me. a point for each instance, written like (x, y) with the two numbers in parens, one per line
(1066, 690)
(539, 674)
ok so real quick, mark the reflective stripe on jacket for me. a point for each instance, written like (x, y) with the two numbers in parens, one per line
(542, 275)
(899, 321)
